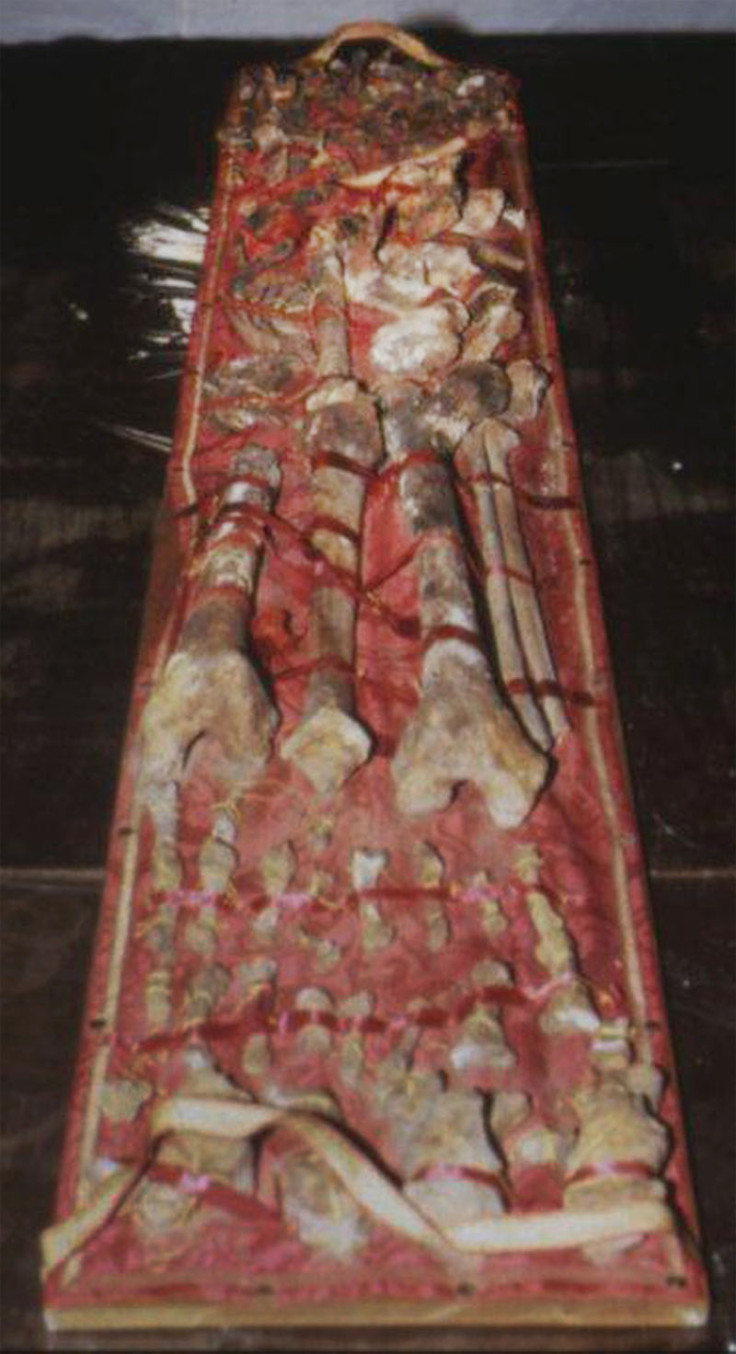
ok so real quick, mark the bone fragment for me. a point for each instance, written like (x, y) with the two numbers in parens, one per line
(200, 933)
(615, 1128)
(319, 1208)
(277, 869)
(256, 1057)
(329, 315)
(422, 342)
(122, 1099)
(482, 1042)
(204, 991)
(158, 999)
(219, 857)
(352, 1054)
(329, 743)
(431, 1128)
(610, 1047)
(569, 1007)
(209, 687)
(472, 464)
(366, 867)
(529, 384)
(482, 211)
(461, 730)
(430, 873)
(470, 393)
(314, 1039)
(495, 319)
(497, 444)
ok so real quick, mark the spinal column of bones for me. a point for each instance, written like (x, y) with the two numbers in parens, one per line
(417, 256)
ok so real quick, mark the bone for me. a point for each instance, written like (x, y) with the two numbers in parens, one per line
(482, 211)
(204, 991)
(498, 442)
(482, 1043)
(158, 1003)
(329, 316)
(422, 342)
(529, 384)
(352, 1054)
(430, 874)
(434, 1133)
(615, 1125)
(329, 743)
(472, 466)
(200, 934)
(495, 320)
(219, 856)
(461, 730)
(569, 1008)
(277, 868)
(122, 1099)
(428, 198)
(209, 686)
(526, 1139)
(319, 1209)
(314, 1039)
(366, 867)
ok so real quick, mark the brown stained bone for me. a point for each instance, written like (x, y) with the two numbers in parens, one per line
(529, 384)
(329, 743)
(461, 731)
(209, 687)
(498, 441)
(495, 320)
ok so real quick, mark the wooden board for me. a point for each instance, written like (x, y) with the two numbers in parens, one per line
(375, 1031)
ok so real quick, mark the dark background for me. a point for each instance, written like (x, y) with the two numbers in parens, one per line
(632, 149)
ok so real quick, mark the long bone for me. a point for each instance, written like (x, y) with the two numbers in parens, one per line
(209, 686)
(471, 461)
(498, 442)
(461, 730)
(344, 436)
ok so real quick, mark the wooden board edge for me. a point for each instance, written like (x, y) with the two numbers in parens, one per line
(631, 1313)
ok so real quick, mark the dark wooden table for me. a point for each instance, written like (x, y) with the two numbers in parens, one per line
(632, 146)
